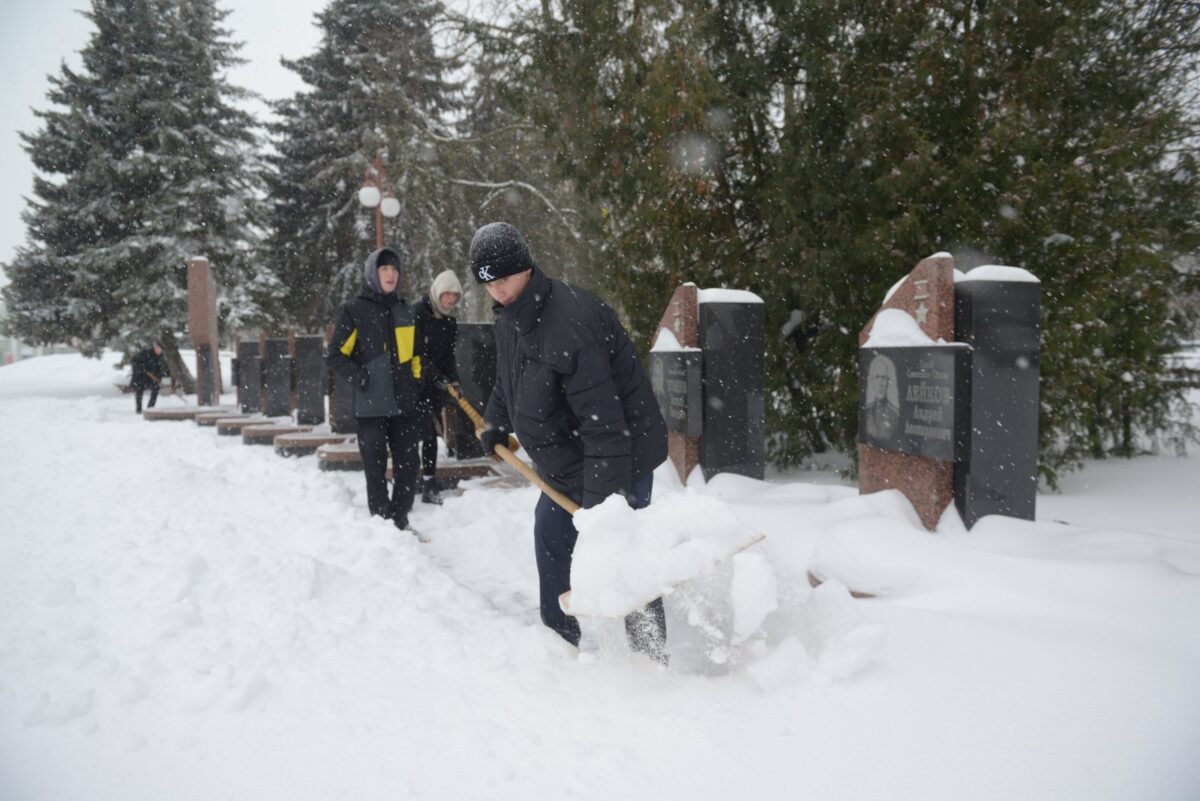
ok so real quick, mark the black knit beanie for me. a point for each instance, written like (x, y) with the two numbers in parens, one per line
(497, 251)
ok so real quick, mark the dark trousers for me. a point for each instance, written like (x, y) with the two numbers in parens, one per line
(400, 435)
(429, 446)
(554, 538)
(137, 395)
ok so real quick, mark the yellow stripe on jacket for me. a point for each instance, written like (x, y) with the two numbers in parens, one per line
(406, 338)
(348, 346)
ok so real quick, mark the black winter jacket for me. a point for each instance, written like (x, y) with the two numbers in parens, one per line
(437, 333)
(374, 346)
(145, 364)
(570, 384)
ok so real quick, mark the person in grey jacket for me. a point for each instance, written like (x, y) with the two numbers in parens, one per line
(374, 346)
(572, 388)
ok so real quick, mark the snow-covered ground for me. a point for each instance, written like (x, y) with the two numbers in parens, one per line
(185, 617)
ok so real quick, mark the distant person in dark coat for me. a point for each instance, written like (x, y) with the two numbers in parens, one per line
(149, 369)
(570, 385)
(439, 328)
(374, 346)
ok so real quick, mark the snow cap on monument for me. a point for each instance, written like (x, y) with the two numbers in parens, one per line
(497, 251)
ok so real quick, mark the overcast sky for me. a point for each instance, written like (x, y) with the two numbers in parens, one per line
(38, 36)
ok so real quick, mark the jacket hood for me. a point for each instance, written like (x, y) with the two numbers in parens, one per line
(446, 281)
(371, 267)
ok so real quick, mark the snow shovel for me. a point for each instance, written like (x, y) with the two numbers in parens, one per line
(506, 454)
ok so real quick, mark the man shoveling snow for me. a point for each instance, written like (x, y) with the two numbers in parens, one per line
(570, 385)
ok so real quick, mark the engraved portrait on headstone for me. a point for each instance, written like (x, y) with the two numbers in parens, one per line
(882, 410)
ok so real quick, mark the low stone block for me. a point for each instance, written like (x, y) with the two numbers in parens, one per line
(209, 416)
(265, 434)
(232, 426)
(340, 456)
(155, 415)
(306, 443)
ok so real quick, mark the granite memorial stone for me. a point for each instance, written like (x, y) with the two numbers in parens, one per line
(277, 378)
(997, 313)
(732, 339)
(679, 330)
(310, 379)
(677, 380)
(202, 330)
(249, 384)
(908, 402)
(475, 357)
(954, 418)
(927, 295)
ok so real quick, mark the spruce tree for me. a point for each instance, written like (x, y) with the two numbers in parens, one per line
(374, 85)
(814, 152)
(148, 160)
(506, 172)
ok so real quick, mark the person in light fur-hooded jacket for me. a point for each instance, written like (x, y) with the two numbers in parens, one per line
(436, 320)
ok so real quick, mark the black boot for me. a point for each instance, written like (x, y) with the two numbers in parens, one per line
(430, 492)
(403, 525)
(646, 630)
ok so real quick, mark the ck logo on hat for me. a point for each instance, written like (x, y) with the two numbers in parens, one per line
(485, 273)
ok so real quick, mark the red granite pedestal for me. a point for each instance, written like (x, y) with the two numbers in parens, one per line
(682, 319)
(928, 295)
(202, 330)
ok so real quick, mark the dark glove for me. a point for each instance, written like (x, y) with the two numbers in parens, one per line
(491, 437)
(364, 378)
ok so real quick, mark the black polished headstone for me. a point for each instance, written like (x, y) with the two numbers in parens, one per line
(908, 399)
(997, 472)
(206, 390)
(677, 380)
(249, 379)
(475, 357)
(277, 379)
(310, 380)
(733, 339)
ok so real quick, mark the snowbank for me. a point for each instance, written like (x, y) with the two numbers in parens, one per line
(185, 617)
(624, 558)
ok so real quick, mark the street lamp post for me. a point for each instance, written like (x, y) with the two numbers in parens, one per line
(376, 193)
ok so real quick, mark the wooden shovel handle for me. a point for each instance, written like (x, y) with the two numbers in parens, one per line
(467, 408)
(536, 480)
(507, 455)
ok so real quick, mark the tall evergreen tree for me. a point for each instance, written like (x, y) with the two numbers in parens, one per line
(813, 152)
(504, 169)
(376, 84)
(148, 160)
